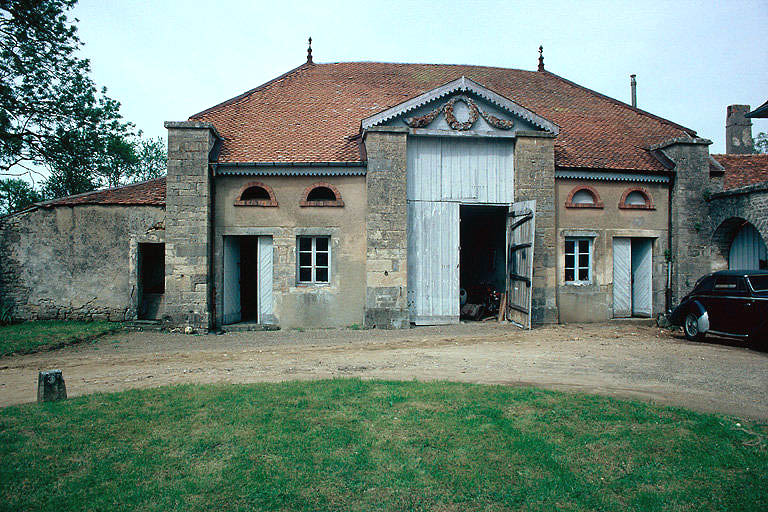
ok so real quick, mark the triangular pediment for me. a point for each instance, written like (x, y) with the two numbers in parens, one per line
(461, 107)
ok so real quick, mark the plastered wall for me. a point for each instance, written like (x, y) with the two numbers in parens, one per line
(340, 302)
(594, 302)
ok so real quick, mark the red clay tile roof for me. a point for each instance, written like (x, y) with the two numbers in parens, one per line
(743, 170)
(309, 113)
(148, 193)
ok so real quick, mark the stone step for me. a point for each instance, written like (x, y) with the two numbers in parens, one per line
(144, 325)
(249, 326)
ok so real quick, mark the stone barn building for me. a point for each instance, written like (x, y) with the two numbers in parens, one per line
(374, 193)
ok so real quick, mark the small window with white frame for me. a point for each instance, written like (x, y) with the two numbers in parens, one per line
(314, 259)
(578, 260)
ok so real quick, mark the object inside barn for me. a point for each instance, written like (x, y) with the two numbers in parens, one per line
(482, 260)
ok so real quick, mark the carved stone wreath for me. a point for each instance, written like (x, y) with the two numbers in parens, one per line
(455, 124)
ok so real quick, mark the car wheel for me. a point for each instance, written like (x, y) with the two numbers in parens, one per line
(691, 327)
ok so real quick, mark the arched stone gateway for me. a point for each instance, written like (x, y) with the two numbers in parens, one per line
(739, 245)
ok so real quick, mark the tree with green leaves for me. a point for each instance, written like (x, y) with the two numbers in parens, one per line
(153, 157)
(51, 113)
(761, 143)
(16, 194)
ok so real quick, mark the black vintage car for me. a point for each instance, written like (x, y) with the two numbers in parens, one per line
(732, 303)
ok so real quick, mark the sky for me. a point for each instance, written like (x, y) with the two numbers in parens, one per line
(165, 60)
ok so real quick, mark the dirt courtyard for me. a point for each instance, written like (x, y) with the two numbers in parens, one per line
(620, 359)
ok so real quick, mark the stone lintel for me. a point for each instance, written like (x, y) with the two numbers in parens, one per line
(681, 140)
(397, 129)
(535, 133)
(192, 125)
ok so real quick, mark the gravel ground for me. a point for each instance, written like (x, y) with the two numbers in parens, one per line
(622, 359)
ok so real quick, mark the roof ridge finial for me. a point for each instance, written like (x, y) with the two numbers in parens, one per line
(541, 58)
(309, 51)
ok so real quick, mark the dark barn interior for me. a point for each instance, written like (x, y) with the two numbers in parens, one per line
(482, 258)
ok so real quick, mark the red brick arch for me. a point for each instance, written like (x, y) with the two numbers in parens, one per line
(597, 204)
(648, 200)
(305, 202)
(271, 202)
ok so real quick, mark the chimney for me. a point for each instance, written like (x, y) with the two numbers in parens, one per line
(738, 131)
(633, 86)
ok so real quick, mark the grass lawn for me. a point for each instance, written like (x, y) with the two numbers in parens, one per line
(373, 445)
(35, 336)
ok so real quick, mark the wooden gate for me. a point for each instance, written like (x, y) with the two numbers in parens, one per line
(521, 223)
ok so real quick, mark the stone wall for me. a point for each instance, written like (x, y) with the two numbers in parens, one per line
(535, 179)
(75, 263)
(689, 213)
(188, 245)
(386, 230)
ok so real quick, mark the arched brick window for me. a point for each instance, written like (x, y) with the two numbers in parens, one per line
(256, 193)
(636, 198)
(321, 194)
(583, 196)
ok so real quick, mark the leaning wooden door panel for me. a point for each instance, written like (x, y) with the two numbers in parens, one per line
(521, 227)
(622, 277)
(642, 281)
(433, 262)
(265, 279)
(232, 311)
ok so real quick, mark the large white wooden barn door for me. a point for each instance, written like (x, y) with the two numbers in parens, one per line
(231, 313)
(622, 277)
(433, 262)
(521, 224)
(265, 279)
(642, 282)
(748, 250)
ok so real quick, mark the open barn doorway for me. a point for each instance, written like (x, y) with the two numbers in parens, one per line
(482, 260)
(632, 276)
(247, 291)
(151, 270)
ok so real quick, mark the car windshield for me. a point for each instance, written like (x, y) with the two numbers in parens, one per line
(759, 283)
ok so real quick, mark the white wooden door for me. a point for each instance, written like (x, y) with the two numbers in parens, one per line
(521, 227)
(231, 313)
(622, 277)
(747, 250)
(433, 262)
(642, 277)
(265, 276)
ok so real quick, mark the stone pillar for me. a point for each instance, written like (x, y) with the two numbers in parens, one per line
(535, 179)
(738, 130)
(386, 231)
(188, 208)
(689, 221)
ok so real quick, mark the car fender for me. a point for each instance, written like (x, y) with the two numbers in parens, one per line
(697, 308)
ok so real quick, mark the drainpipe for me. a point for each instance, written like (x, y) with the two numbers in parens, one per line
(668, 291)
(213, 320)
(633, 87)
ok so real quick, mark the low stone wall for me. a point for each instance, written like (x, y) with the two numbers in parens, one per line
(75, 263)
